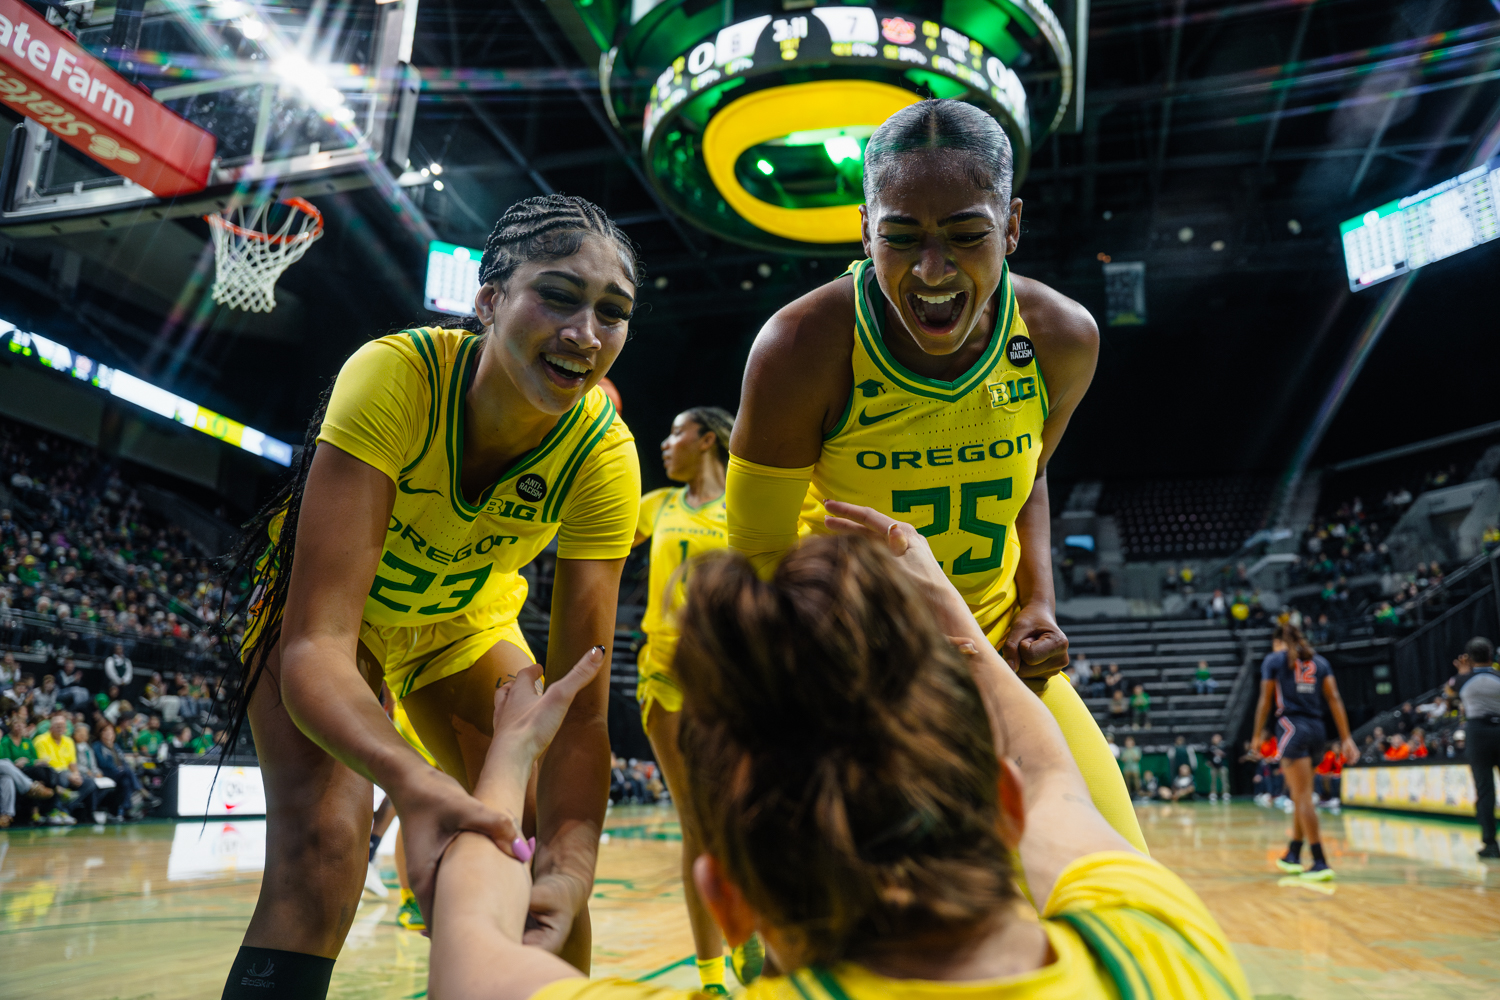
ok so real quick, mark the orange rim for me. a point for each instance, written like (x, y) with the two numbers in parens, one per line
(301, 204)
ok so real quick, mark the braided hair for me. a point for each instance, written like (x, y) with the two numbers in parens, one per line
(548, 227)
(720, 422)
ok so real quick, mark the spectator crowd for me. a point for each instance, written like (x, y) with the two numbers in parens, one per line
(85, 566)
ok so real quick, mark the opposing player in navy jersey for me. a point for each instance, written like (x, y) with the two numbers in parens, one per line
(1302, 682)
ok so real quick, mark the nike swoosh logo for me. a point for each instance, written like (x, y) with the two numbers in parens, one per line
(406, 487)
(868, 420)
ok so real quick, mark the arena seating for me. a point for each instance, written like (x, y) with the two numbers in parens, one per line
(1163, 655)
(1193, 519)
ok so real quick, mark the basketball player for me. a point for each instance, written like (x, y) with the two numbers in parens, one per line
(1301, 682)
(682, 523)
(447, 461)
(869, 832)
(930, 383)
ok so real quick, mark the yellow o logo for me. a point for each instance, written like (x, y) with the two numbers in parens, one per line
(778, 111)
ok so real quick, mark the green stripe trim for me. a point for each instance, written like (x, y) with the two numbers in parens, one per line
(1104, 954)
(867, 329)
(848, 409)
(548, 444)
(1132, 960)
(601, 425)
(1042, 384)
(422, 341)
(469, 363)
(1190, 950)
(825, 978)
(458, 379)
(796, 983)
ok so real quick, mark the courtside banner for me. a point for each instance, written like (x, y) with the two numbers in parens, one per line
(52, 80)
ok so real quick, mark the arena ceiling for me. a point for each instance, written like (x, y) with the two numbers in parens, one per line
(1221, 144)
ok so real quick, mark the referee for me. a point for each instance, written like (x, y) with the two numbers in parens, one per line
(1478, 685)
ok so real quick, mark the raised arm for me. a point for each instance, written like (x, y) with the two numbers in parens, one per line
(573, 783)
(797, 381)
(481, 906)
(1067, 345)
(1062, 823)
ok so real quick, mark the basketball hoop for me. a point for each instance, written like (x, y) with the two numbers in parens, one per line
(249, 257)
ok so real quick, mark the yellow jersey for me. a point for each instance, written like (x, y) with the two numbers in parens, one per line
(678, 532)
(398, 405)
(1120, 926)
(955, 459)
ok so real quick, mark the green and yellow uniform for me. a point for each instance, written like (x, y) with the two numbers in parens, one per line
(957, 460)
(409, 733)
(1120, 926)
(678, 532)
(448, 586)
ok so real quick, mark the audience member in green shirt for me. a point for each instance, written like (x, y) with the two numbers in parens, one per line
(1140, 708)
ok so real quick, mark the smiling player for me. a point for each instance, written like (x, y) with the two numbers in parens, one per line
(930, 383)
(445, 462)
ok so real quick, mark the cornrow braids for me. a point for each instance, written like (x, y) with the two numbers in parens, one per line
(549, 226)
(720, 422)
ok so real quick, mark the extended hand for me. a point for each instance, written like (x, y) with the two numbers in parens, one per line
(434, 809)
(527, 718)
(1035, 646)
(1351, 752)
(902, 540)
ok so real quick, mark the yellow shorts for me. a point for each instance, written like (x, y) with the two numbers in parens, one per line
(409, 733)
(414, 656)
(655, 682)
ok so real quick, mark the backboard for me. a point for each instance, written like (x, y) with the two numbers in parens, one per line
(301, 100)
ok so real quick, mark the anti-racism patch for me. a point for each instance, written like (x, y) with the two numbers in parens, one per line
(1020, 351)
(531, 486)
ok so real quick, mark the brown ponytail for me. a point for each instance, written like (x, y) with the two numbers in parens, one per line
(1297, 646)
(840, 762)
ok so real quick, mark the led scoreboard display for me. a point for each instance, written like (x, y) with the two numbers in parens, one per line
(1402, 235)
(452, 278)
(853, 36)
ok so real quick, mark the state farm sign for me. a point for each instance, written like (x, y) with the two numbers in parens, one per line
(49, 78)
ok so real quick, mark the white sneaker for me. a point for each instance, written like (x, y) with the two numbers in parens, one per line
(1213, 796)
(100, 817)
(373, 884)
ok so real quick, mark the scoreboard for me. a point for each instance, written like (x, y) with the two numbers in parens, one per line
(1399, 236)
(452, 278)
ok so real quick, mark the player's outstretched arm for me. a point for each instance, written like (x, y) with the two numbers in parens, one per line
(573, 783)
(1062, 824)
(345, 509)
(480, 909)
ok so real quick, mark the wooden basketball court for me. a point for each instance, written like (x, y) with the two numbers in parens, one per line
(157, 910)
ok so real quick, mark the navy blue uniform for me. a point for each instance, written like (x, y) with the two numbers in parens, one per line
(1299, 703)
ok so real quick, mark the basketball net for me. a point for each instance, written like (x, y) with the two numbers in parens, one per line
(249, 258)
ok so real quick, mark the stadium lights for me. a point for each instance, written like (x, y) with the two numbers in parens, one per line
(437, 168)
(252, 28)
(764, 166)
(437, 185)
(121, 385)
(843, 148)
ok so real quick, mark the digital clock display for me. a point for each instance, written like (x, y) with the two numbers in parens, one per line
(851, 36)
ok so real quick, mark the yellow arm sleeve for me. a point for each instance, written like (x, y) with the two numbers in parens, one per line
(762, 504)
